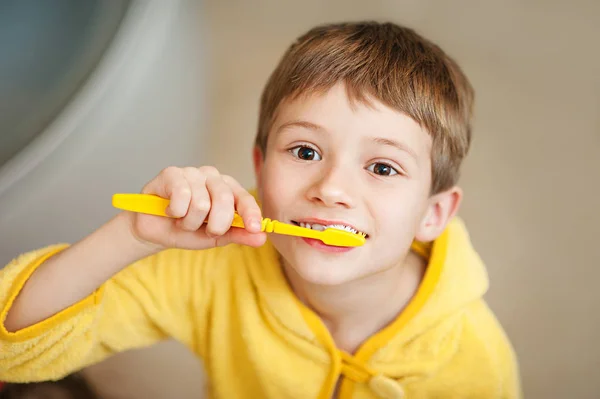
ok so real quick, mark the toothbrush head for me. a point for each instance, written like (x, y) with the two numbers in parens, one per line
(342, 238)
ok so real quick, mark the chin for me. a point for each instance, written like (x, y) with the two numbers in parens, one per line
(324, 269)
(318, 266)
(326, 274)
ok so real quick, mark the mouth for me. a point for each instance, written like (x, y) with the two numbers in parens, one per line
(320, 225)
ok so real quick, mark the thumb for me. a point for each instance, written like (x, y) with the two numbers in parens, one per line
(237, 235)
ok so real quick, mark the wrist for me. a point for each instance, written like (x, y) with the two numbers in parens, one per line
(137, 246)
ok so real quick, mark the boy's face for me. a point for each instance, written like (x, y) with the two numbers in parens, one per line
(329, 161)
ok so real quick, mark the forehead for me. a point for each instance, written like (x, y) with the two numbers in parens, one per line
(339, 116)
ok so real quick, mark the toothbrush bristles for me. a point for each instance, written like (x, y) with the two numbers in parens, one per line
(360, 233)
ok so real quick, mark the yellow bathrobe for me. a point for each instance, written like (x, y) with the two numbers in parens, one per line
(233, 307)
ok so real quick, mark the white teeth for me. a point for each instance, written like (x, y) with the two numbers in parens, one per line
(320, 227)
(314, 226)
(343, 227)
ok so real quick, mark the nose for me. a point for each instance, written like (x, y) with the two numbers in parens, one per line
(333, 188)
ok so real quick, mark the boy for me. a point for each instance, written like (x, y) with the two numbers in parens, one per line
(361, 124)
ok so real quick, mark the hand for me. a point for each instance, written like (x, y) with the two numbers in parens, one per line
(197, 195)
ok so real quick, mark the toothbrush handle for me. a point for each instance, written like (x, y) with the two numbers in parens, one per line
(154, 205)
(275, 226)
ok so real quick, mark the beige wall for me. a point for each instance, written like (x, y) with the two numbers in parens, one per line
(532, 179)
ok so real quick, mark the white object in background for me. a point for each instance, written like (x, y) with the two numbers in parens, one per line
(141, 110)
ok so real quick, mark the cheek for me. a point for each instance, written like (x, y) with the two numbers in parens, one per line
(277, 189)
(398, 212)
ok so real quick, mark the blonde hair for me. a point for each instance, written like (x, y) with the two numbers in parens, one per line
(390, 63)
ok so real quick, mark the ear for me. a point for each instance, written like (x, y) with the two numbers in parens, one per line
(258, 160)
(441, 209)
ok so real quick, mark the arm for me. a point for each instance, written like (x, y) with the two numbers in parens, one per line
(77, 272)
(62, 308)
(148, 301)
(70, 275)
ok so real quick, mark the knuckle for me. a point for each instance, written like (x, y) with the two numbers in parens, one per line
(181, 191)
(208, 170)
(225, 197)
(189, 169)
(190, 172)
(194, 178)
(201, 205)
(170, 171)
(228, 179)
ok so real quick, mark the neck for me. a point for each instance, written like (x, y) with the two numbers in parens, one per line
(356, 310)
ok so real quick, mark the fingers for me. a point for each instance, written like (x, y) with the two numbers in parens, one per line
(202, 196)
(222, 206)
(246, 205)
(171, 184)
(199, 240)
(199, 204)
(241, 236)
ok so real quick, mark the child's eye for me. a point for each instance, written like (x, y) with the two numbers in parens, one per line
(305, 153)
(382, 169)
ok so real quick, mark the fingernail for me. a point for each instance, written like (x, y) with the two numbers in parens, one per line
(255, 224)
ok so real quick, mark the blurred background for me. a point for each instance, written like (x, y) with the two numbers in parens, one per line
(97, 97)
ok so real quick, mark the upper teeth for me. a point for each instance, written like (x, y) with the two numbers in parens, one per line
(320, 227)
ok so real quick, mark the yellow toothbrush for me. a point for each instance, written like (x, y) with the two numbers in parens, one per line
(155, 205)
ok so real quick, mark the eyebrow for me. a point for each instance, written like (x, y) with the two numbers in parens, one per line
(299, 123)
(396, 144)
